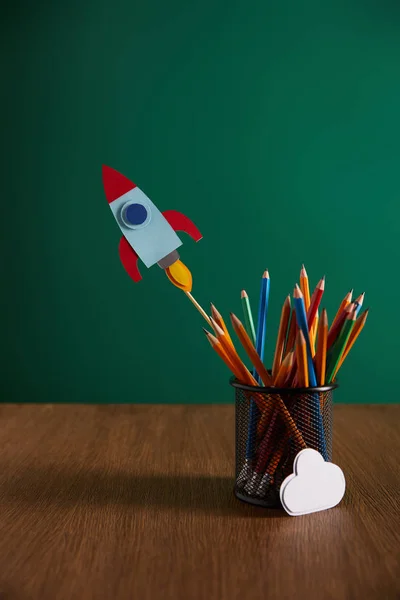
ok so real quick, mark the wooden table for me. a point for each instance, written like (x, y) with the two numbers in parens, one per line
(135, 502)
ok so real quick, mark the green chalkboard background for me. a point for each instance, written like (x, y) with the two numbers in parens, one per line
(274, 125)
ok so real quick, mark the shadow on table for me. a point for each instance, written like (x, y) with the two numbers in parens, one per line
(50, 484)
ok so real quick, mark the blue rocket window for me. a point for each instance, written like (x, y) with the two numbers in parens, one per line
(135, 214)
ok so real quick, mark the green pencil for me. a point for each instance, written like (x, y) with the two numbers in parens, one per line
(248, 317)
(340, 344)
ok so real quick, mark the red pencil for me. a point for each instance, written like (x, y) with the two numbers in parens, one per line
(337, 326)
(315, 302)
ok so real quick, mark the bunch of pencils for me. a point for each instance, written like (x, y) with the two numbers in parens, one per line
(308, 352)
(308, 355)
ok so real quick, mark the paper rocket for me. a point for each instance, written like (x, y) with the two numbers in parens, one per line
(147, 233)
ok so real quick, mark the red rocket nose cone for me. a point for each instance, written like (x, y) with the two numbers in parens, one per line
(115, 184)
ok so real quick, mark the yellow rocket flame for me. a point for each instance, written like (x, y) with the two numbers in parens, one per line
(180, 276)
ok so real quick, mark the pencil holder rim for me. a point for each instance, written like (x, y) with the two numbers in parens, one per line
(281, 391)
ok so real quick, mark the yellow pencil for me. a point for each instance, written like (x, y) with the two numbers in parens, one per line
(304, 286)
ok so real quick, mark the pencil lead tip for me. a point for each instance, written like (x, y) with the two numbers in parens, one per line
(205, 331)
(243, 294)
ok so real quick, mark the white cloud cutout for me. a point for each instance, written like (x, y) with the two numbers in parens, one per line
(314, 485)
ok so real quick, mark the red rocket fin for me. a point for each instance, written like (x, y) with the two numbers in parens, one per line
(129, 259)
(180, 222)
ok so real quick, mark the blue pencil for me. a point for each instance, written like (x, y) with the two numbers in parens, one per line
(260, 345)
(358, 302)
(301, 317)
(262, 315)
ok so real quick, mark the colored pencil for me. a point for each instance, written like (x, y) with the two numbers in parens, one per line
(199, 308)
(303, 325)
(280, 341)
(358, 302)
(322, 341)
(302, 362)
(217, 346)
(241, 372)
(315, 302)
(220, 321)
(284, 370)
(305, 289)
(313, 333)
(304, 286)
(312, 380)
(262, 314)
(358, 326)
(248, 316)
(340, 345)
(335, 329)
(260, 344)
(345, 302)
(292, 332)
(251, 351)
(231, 352)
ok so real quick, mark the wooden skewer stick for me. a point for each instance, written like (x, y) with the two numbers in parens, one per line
(199, 308)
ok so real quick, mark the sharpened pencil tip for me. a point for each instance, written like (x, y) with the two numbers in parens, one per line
(243, 294)
(265, 274)
(218, 330)
(297, 293)
(360, 298)
(205, 331)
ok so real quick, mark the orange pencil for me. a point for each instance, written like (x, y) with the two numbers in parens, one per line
(345, 302)
(358, 326)
(217, 346)
(246, 376)
(322, 341)
(280, 340)
(216, 315)
(284, 370)
(291, 338)
(301, 357)
(250, 350)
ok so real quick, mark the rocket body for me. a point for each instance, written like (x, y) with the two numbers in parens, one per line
(147, 233)
(144, 227)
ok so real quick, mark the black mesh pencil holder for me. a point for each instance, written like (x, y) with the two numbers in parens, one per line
(272, 426)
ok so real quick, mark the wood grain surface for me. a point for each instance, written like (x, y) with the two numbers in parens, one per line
(135, 502)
